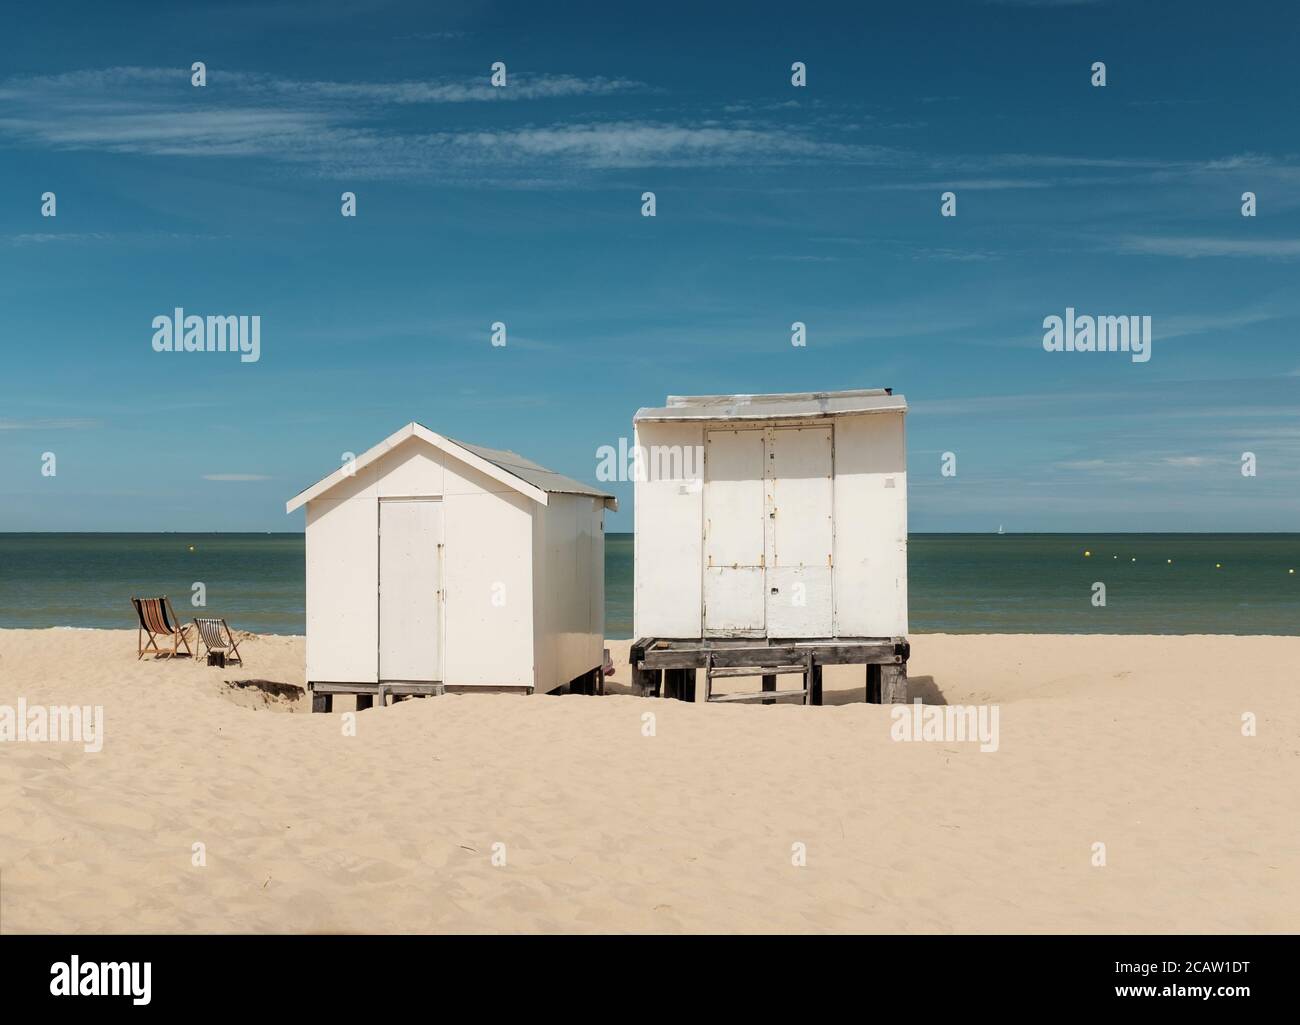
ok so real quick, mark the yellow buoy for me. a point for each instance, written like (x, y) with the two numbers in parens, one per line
(1086, 554)
(191, 548)
(1218, 565)
(1170, 561)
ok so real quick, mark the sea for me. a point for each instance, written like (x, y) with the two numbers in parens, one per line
(957, 583)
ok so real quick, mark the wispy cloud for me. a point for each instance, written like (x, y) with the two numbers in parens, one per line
(66, 423)
(957, 255)
(1181, 325)
(42, 238)
(1193, 248)
(372, 130)
(971, 184)
(89, 86)
(1144, 468)
(449, 34)
(640, 144)
(519, 87)
(352, 128)
(1044, 3)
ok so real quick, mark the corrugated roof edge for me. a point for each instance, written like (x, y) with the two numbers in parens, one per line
(784, 406)
(790, 396)
(534, 473)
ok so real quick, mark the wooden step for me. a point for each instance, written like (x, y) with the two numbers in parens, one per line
(720, 673)
(762, 695)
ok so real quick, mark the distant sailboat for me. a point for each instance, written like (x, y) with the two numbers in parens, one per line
(1000, 530)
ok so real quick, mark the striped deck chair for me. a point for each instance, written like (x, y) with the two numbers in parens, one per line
(216, 636)
(158, 619)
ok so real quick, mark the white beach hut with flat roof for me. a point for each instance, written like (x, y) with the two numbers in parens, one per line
(774, 525)
(435, 565)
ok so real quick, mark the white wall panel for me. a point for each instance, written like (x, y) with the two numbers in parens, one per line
(871, 526)
(342, 606)
(668, 545)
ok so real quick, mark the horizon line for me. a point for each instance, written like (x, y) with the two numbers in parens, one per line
(628, 533)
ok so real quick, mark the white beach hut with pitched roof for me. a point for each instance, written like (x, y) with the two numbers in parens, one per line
(437, 565)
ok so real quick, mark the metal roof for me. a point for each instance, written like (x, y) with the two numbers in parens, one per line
(526, 469)
(786, 405)
(508, 468)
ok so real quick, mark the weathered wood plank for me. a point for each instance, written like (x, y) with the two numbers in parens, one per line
(639, 679)
(374, 688)
(768, 697)
(893, 684)
(646, 682)
(769, 655)
(763, 671)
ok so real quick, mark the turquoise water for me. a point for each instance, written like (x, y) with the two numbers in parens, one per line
(254, 580)
(958, 583)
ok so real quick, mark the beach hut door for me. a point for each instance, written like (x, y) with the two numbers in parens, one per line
(800, 536)
(410, 595)
(733, 533)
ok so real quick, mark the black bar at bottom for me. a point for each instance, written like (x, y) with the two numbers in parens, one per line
(1225, 975)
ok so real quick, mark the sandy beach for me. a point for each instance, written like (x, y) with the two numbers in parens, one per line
(1133, 742)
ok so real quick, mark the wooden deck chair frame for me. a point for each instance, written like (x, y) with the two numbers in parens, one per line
(157, 619)
(209, 630)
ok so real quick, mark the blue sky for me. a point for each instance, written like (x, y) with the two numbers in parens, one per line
(775, 204)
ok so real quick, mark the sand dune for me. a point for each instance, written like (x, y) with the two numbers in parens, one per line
(1134, 742)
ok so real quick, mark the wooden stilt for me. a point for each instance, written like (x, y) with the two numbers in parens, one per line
(815, 684)
(769, 683)
(873, 684)
(322, 702)
(893, 684)
(646, 682)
